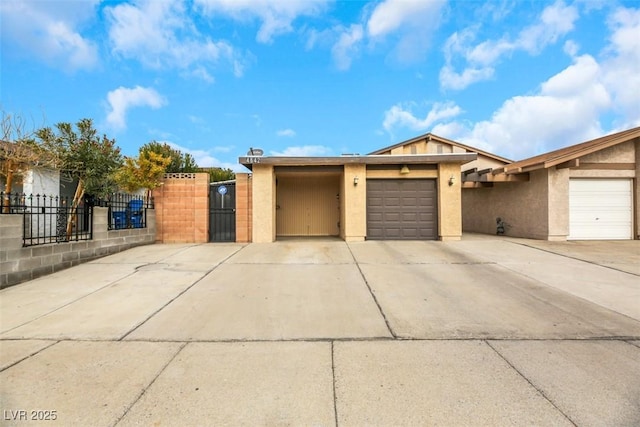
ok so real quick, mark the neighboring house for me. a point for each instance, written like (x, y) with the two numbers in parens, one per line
(413, 194)
(586, 191)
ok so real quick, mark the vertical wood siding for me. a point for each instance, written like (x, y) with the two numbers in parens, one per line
(307, 205)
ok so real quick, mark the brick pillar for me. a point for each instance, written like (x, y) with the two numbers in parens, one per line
(243, 207)
(182, 208)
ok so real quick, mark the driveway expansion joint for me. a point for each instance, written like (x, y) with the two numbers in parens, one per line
(605, 265)
(333, 378)
(373, 295)
(29, 356)
(180, 294)
(144, 390)
(539, 390)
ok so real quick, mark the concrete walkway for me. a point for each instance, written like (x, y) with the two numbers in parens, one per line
(485, 331)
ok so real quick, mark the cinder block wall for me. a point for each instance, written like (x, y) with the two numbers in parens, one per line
(244, 208)
(19, 264)
(182, 208)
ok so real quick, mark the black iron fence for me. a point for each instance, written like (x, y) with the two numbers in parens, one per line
(127, 210)
(54, 219)
(49, 219)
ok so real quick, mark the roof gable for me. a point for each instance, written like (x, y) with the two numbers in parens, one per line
(567, 154)
(429, 138)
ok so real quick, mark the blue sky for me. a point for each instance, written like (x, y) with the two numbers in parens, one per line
(320, 77)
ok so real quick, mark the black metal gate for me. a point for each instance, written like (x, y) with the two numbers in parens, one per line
(222, 212)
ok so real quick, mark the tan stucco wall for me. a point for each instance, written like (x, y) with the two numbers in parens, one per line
(449, 202)
(558, 204)
(353, 204)
(522, 205)
(621, 153)
(264, 204)
(636, 190)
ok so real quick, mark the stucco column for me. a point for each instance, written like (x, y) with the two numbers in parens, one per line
(636, 187)
(449, 202)
(558, 204)
(264, 204)
(353, 203)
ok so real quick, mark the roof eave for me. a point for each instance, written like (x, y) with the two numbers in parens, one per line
(459, 158)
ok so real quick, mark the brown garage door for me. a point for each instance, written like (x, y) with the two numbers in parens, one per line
(402, 209)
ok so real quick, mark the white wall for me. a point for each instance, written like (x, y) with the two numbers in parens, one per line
(43, 182)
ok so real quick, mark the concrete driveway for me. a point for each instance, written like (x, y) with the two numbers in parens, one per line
(485, 331)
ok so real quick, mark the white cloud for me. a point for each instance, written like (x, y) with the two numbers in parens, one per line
(160, 34)
(621, 66)
(347, 46)
(303, 151)
(277, 16)
(571, 106)
(411, 22)
(402, 116)
(554, 22)
(452, 80)
(391, 15)
(122, 98)
(566, 110)
(290, 133)
(50, 31)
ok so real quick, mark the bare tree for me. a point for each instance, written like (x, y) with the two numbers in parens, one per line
(19, 152)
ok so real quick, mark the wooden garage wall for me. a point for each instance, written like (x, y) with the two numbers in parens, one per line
(307, 205)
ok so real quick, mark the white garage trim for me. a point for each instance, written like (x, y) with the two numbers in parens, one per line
(600, 209)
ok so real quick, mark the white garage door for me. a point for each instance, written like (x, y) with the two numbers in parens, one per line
(600, 209)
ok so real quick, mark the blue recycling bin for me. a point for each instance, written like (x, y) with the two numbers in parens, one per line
(119, 220)
(134, 210)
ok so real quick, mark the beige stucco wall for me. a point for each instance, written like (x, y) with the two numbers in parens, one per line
(621, 153)
(522, 205)
(449, 202)
(353, 204)
(558, 204)
(636, 189)
(264, 204)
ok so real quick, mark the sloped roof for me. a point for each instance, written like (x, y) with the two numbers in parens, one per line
(431, 137)
(562, 155)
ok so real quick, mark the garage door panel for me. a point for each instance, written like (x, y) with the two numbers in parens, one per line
(392, 217)
(407, 207)
(600, 209)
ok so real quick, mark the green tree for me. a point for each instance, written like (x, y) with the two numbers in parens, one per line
(92, 159)
(145, 171)
(219, 174)
(180, 162)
